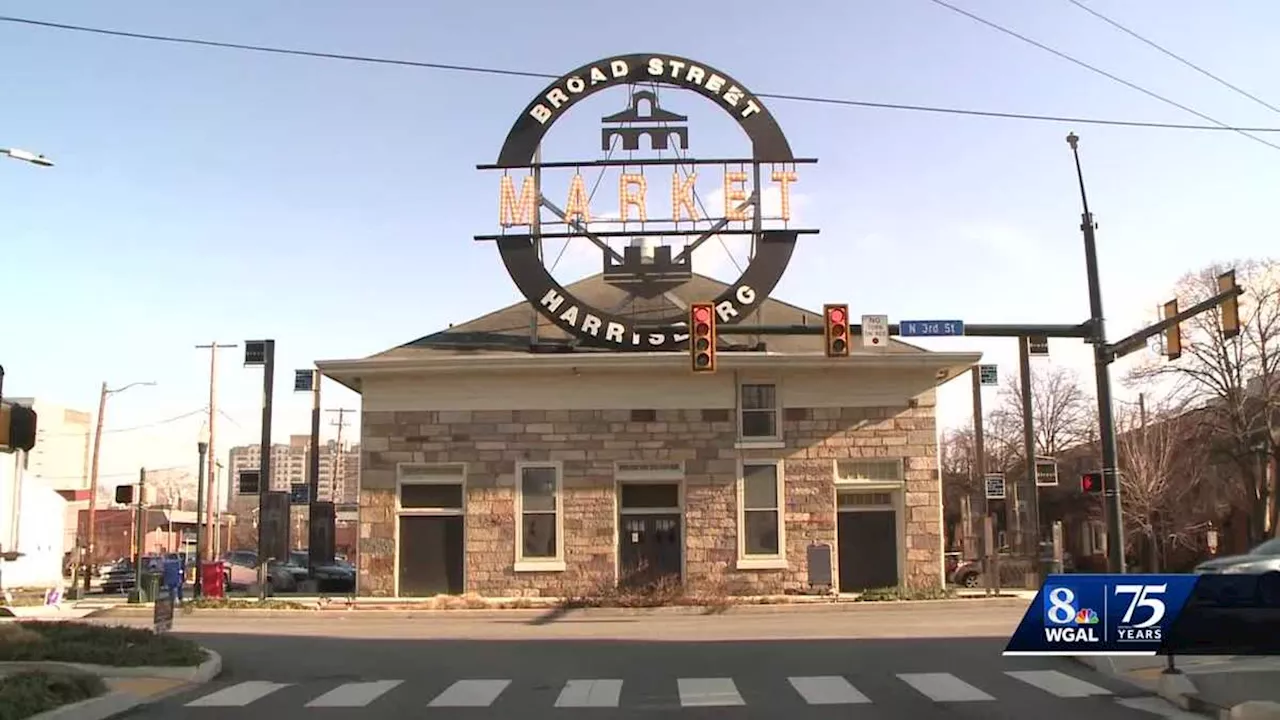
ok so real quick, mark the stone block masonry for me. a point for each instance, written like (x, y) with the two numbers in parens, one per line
(588, 443)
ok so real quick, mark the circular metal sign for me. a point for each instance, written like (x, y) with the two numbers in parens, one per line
(601, 327)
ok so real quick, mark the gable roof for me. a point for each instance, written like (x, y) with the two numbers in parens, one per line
(507, 331)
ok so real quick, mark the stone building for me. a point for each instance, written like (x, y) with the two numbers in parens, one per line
(489, 467)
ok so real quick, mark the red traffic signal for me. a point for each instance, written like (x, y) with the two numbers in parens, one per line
(836, 329)
(702, 337)
(1091, 483)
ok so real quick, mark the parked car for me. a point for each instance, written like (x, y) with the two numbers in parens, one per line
(338, 576)
(242, 572)
(1265, 557)
(969, 572)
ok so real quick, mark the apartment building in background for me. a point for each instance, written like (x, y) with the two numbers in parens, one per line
(339, 468)
(60, 459)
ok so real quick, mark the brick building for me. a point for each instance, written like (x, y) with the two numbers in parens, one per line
(490, 468)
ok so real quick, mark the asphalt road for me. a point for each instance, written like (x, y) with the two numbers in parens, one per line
(920, 663)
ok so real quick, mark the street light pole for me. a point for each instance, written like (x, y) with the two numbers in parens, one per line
(1102, 373)
(27, 156)
(202, 447)
(90, 542)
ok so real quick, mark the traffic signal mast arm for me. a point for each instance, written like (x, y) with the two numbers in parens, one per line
(1138, 340)
(997, 330)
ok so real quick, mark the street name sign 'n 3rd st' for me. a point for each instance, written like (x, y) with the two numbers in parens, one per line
(930, 328)
(645, 144)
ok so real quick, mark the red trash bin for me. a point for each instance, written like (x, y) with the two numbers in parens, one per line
(213, 579)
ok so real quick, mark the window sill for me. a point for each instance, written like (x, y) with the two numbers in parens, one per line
(763, 444)
(523, 566)
(762, 563)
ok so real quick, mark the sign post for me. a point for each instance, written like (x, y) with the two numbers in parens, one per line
(162, 619)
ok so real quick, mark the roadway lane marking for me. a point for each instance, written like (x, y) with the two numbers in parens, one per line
(356, 694)
(238, 695)
(707, 692)
(943, 687)
(1058, 683)
(827, 690)
(470, 693)
(590, 693)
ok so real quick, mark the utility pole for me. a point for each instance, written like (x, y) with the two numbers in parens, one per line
(336, 469)
(210, 491)
(90, 541)
(1032, 547)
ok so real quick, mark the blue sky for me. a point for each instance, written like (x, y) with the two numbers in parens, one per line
(206, 194)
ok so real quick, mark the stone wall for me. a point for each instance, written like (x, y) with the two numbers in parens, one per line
(589, 442)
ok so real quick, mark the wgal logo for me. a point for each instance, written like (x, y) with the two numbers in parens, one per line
(1065, 621)
(1144, 600)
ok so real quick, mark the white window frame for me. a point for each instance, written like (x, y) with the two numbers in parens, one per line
(457, 475)
(762, 562)
(772, 442)
(552, 564)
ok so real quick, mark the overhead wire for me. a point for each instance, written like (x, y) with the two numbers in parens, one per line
(145, 426)
(1153, 44)
(791, 97)
(1100, 71)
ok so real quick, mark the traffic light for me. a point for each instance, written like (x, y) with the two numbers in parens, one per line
(1091, 483)
(124, 494)
(1173, 335)
(17, 428)
(702, 337)
(836, 329)
(1230, 306)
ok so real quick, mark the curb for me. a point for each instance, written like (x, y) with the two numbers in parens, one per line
(1180, 691)
(494, 613)
(116, 703)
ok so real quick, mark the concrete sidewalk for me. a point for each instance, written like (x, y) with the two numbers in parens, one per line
(1220, 686)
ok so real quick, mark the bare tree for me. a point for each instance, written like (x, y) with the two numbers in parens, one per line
(1061, 412)
(1236, 381)
(1166, 498)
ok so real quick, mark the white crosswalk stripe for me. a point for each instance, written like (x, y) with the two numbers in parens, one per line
(238, 695)
(357, 694)
(812, 690)
(1058, 683)
(470, 693)
(708, 692)
(944, 687)
(827, 690)
(590, 693)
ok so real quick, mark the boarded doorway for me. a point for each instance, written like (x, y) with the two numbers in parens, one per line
(650, 534)
(430, 531)
(867, 541)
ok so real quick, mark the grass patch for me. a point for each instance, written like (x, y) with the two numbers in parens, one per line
(892, 594)
(74, 642)
(240, 604)
(32, 692)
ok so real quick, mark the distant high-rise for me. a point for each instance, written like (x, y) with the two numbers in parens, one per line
(339, 468)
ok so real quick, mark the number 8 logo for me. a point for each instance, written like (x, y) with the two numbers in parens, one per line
(1061, 605)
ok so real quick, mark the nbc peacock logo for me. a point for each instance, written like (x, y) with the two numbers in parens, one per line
(1086, 616)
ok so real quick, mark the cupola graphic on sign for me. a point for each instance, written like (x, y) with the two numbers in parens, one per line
(649, 125)
(667, 203)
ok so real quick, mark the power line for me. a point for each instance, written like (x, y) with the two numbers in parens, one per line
(1217, 126)
(158, 423)
(1175, 56)
(1099, 71)
(133, 474)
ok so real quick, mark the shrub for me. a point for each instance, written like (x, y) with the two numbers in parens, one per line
(120, 646)
(24, 694)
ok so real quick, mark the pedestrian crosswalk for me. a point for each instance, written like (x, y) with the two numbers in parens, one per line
(936, 687)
